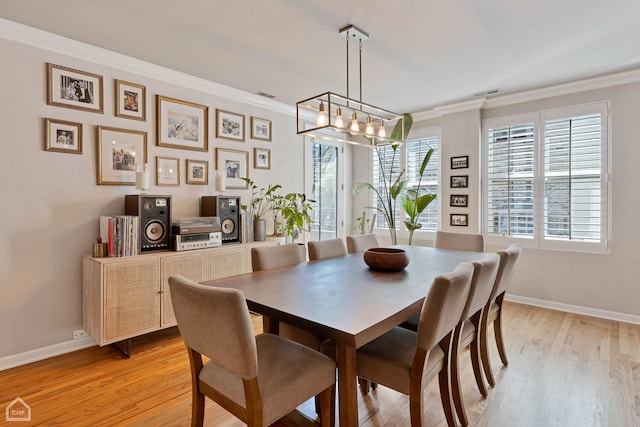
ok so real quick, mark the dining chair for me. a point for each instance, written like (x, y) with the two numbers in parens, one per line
(361, 242)
(259, 379)
(323, 249)
(459, 241)
(407, 361)
(269, 257)
(467, 331)
(493, 311)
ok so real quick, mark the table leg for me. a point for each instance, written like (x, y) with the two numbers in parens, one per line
(270, 326)
(347, 397)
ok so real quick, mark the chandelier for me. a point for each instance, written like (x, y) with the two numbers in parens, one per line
(341, 118)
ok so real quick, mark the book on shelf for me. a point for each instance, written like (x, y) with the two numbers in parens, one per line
(120, 232)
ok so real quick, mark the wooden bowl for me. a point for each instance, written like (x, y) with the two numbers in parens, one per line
(386, 259)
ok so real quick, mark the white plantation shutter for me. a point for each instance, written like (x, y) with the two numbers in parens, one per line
(386, 167)
(415, 151)
(510, 186)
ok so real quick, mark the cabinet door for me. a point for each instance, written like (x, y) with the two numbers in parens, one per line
(131, 301)
(193, 266)
(225, 262)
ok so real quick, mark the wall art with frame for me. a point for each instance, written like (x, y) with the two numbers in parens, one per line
(260, 129)
(229, 125)
(131, 100)
(197, 172)
(459, 200)
(167, 171)
(233, 165)
(75, 89)
(460, 162)
(119, 151)
(459, 181)
(459, 220)
(63, 136)
(261, 158)
(182, 124)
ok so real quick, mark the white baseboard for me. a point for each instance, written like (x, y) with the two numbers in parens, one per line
(576, 309)
(30, 356)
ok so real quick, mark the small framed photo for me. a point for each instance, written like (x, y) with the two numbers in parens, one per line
(459, 220)
(131, 101)
(260, 129)
(459, 181)
(229, 125)
(63, 136)
(75, 89)
(197, 172)
(167, 171)
(261, 158)
(233, 165)
(119, 151)
(459, 200)
(182, 124)
(460, 162)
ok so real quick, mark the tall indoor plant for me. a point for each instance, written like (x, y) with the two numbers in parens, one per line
(258, 206)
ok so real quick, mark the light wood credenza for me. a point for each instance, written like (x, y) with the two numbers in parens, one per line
(126, 297)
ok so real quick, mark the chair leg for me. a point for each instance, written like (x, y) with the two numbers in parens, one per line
(197, 409)
(327, 405)
(456, 390)
(445, 385)
(474, 349)
(497, 330)
(364, 385)
(484, 345)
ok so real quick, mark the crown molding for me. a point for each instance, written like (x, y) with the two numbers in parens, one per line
(30, 36)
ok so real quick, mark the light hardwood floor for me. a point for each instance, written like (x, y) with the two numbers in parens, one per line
(565, 370)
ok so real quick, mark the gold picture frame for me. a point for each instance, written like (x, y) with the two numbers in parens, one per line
(182, 124)
(261, 158)
(260, 129)
(233, 165)
(229, 125)
(70, 88)
(131, 100)
(63, 136)
(118, 155)
(167, 171)
(197, 172)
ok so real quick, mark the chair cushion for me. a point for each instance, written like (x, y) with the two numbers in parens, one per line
(288, 373)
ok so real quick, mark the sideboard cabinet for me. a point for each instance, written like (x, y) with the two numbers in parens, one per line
(129, 296)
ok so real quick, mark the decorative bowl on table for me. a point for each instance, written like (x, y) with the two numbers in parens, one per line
(386, 259)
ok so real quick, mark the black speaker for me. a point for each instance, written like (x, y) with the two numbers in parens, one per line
(228, 210)
(154, 214)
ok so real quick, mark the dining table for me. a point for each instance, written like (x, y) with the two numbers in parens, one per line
(345, 300)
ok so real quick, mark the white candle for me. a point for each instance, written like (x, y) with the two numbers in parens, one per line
(142, 178)
(221, 185)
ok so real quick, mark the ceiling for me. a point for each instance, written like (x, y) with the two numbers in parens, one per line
(420, 54)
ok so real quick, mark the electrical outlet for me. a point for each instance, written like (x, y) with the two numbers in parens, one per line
(80, 333)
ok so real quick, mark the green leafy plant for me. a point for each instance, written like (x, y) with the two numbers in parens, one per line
(362, 222)
(413, 203)
(261, 199)
(296, 214)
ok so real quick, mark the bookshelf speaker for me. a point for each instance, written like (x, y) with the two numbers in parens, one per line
(154, 214)
(228, 210)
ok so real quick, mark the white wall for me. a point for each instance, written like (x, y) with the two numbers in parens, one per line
(51, 202)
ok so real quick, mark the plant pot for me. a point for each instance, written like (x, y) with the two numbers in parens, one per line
(259, 230)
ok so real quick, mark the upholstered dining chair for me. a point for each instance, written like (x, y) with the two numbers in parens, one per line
(493, 311)
(467, 331)
(269, 257)
(259, 379)
(323, 249)
(361, 242)
(406, 361)
(459, 241)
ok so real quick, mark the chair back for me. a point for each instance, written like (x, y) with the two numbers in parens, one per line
(269, 257)
(215, 322)
(484, 277)
(508, 260)
(443, 305)
(459, 241)
(361, 242)
(323, 249)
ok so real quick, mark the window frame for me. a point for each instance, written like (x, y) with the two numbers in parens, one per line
(539, 119)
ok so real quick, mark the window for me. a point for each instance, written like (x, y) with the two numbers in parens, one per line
(546, 177)
(409, 158)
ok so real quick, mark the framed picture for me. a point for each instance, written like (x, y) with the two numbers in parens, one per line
(75, 89)
(182, 124)
(459, 181)
(261, 158)
(119, 151)
(229, 125)
(197, 172)
(63, 136)
(232, 164)
(459, 220)
(167, 171)
(459, 200)
(131, 101)
(260, 129)
(460, 162)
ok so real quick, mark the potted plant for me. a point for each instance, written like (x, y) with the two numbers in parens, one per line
(258, 206)
(296, 214)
